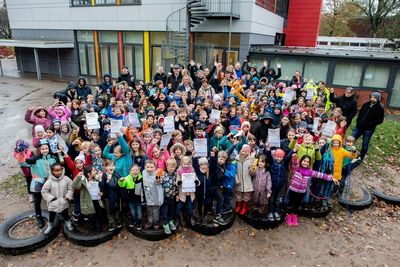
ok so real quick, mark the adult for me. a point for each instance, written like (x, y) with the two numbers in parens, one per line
(82, 89)
(126, 76)
(261, 130)
(106, 83)
(347, 103)
(68, 94)
(160, 75)
(270, 73)
(370, 115)
(175, 79)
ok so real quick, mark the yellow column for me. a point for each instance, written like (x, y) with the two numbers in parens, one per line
(93, 2)
(146, 46)
(96, 54)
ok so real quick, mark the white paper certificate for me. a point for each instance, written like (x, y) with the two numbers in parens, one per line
(188, 185)
(200, 147)
(274, 139)
(92, 120)
(169, 124)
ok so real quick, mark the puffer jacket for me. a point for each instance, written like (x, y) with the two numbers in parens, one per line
(31, 117)
(65, 117)
(40, 168)
(55, 190)
(301, 176)
(243, 178)
(339, 154)
(278, 169)
(261, 181)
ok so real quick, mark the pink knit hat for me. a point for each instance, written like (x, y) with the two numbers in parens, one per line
(279, 152)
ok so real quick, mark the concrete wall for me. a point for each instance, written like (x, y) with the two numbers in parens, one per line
(48, 61)
(247, 39)
(150, 16)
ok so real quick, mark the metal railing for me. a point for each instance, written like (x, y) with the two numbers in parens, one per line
(223, 7)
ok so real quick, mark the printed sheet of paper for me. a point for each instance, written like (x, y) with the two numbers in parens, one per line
(274, 139)
(329, 129)
(310, 94)
(165, 138)
(200, 147)
(133, 120)
(215, 115)
(316, 124)
(188, 185)
(92, 120)
(169, 124)
(116, 126)
(288, 97)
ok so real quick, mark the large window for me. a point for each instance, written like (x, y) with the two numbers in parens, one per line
(279, 7)
(104, 2)
(87, 59)
(109, 59)
(376, 76)
(395, 98)
(133, 53)
(156, 41)
(289, 66)
(347, 74)
(81, 2)
(315, 70)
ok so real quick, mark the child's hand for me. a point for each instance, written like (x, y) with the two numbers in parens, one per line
(100, 194)
(336, 182)
(122, 179)
(31, 108)
(267, 146)
(296, 147)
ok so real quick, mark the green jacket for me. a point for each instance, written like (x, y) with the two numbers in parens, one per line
(315, 154)
(80, 183)
(129, 182)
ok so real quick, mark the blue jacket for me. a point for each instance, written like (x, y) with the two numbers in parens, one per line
(230, 173)
(111, 189)
(124, 163)
(278, 170)
(205, 182)
(40, 168)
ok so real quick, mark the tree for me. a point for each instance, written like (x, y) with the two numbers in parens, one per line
(5, 31)
(376, 11)
(335, 17)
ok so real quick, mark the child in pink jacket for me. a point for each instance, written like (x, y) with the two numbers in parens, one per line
(58, 111)
(38, 116)
(158, 155)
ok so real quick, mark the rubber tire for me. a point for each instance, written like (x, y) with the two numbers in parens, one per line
(315, 213)
(9, 245)
(364, 203)
(388, 199)
(258, 223)
(211, 229)
(85, 240)
(151, 235)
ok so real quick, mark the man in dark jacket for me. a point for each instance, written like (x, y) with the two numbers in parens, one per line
(270, 73)
(370, 115)
(106, 83)
(160, 75)
(347, 103)
(126, 76)
(175, 79)
(82, 89)
(261, 130)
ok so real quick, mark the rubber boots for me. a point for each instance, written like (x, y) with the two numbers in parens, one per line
(295, 222)
(239, 205)
(243, 211)
(289, 219)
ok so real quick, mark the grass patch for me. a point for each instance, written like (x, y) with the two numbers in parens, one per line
(15, 184)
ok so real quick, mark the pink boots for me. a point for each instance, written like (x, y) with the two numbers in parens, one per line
(291, 220)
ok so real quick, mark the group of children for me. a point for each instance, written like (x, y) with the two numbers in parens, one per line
(129, 172)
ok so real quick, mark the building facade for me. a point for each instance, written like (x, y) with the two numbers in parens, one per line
(94, 37)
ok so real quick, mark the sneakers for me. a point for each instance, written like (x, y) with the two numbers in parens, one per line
(353, 161)
(289, 219)
(131, 224)
(75, 217)
(49, 228)
(139, 227)
(226, 210)
(40, 221)
(192, 221)
(276, 216)
(111, 227)
(167, 230)
(172, 225)
(30, 197)
(69, 226)
(219, 220)
(118, 224)
(270, 217)
(294, 220)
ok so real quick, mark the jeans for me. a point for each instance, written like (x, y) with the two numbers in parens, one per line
(217, 195)
(227, 198)
(367, 135)
(167, 210)
(273, 203)
(37, 199)
(189, 207)
(136, 210)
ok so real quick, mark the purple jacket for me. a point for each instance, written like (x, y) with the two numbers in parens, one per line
(31, 117)
(65, 117)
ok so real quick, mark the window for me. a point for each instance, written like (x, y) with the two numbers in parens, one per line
(279, 7)
(347, 74)
(105, 2)
(87, 59)
(376, 76)
(133, 53)
(108, 37)
(315, 70)
(133, 37)
(85, 36)
(81, 2)
(395, 98)
(131, 2)
(289, 67)
(82, 59)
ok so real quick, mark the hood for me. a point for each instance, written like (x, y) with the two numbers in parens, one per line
(52, 177)
(70, 86)
(337, 137)
(106, 75)
(266, 116)
(84, 82)
(177, 145)
(39, 108)
(65, 124)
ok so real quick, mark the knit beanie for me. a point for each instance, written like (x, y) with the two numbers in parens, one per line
(279, 152)
(81, 157)
(39, 128)
(377, 95)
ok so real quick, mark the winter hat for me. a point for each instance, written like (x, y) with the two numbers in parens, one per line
(148, 132)
(21, 145)
(39, 129)
(279, 152)
(81, 157)
(377, 95)
(246, 148)
(71, 85)
(180, 146)
(303, 124)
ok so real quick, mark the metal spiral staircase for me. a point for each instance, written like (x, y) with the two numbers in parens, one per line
(176, 48)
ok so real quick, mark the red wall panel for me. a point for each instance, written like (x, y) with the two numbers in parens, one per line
(303, 23)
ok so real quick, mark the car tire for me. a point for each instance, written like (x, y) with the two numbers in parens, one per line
(363, 203)
(388, 199)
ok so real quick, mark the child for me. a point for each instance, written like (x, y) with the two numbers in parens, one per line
(244, 186)
(307, 148)
(120, 155)
(261, 183)
(346, 169)
(153, 193)
(89, 196)
(298, 186)
(186, 197)
(22, 151)
(37, 116)
(40, 168)
(157, 155)
(170, 192)
(204, 190)
(133, 185)
(177, 151)
(57, 192)
(110, 191)
(58, 111)
(278, 166)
